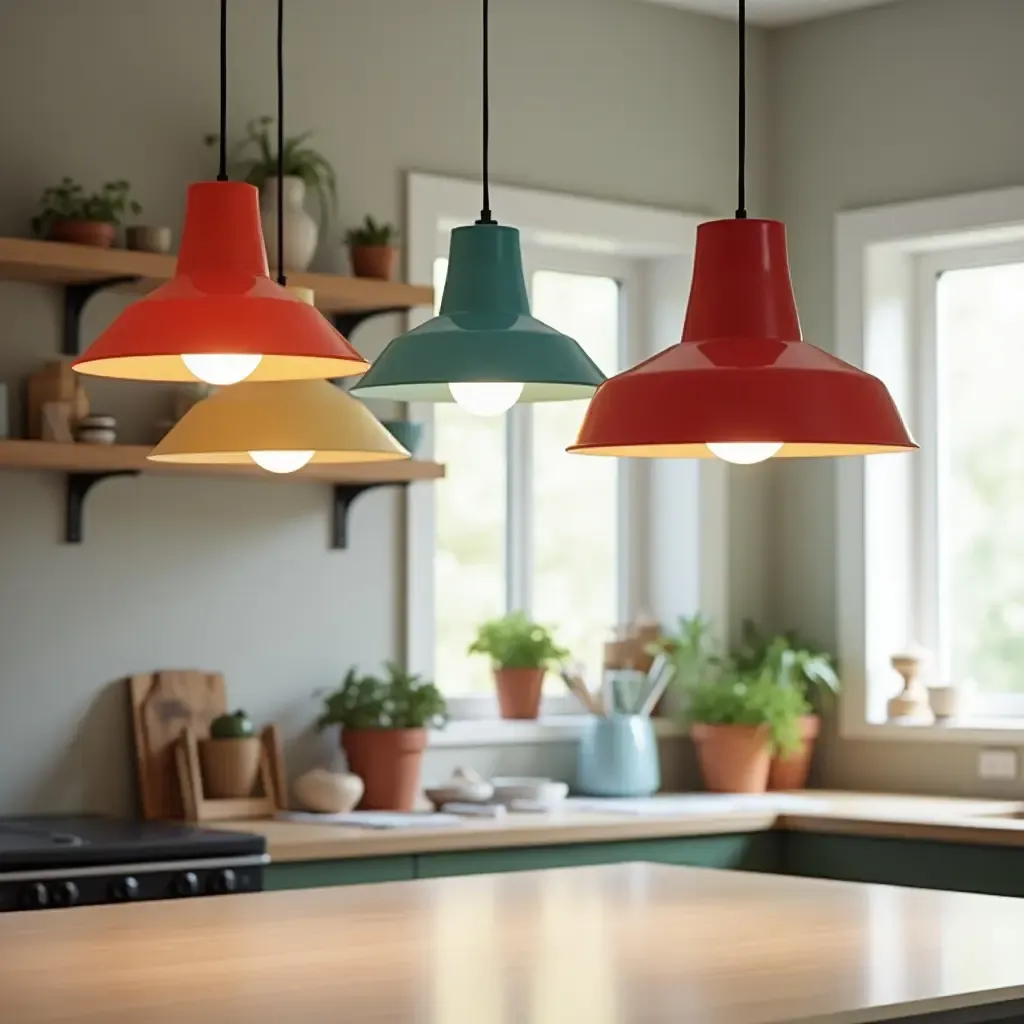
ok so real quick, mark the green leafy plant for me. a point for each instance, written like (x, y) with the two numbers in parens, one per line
(514, 641)
(791, 662)
(371, 233)
(256, 158)
(396, 700)
(236, 725)
(733, 697)
(691, 650)
(69, 201)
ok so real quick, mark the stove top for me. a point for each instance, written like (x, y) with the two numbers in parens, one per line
(41, 841)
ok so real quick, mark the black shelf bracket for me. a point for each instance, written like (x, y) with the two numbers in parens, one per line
(342, 499)
(346, 323)
(75, 298)
(78, 486)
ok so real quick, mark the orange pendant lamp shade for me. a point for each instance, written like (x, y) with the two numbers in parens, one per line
(221, 311)
(742, 380)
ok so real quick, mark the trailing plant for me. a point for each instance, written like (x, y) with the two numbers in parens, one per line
(370, 233)
(69, 201)
(256, 158)
(733, 697)
(515, 641)
(790, 660)
(395, 700)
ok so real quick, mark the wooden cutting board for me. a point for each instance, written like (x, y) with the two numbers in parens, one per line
(163, 705)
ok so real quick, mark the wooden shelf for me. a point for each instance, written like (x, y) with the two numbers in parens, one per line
(84, 465)
(59, 263)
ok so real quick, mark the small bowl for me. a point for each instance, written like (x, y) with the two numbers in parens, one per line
(407, 433)
(460, 792)
(544, 794)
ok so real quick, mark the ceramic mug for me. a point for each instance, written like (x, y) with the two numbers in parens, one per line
(618, 757)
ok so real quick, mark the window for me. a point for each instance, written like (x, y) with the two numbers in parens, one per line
(510, 529)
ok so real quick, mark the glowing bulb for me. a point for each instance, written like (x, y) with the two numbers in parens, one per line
(486, 399)
(281, 462)
(221, 369)
(744, 454)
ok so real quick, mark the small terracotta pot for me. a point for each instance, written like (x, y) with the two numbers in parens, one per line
(84, 232)
(388, 761)
(519, 691)
(790, 771)
(230, 767)
(733, 758)
(378, 261)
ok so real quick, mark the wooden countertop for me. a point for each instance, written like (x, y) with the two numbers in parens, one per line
(986, 822)
(620, 944)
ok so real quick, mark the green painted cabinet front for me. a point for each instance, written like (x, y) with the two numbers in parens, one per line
(751, 852)
(310, 874)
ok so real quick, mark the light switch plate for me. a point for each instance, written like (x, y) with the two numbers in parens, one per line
(997, 764)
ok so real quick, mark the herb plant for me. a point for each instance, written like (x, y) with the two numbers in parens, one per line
(69, 201)
(396, 700)
(256, 157)
(790, 660)
(514, 641)
(370, 233)
(691, 651)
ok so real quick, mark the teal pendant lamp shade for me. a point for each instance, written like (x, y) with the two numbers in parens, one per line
(483, 333)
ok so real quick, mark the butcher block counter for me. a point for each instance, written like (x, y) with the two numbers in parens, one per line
(619, 944)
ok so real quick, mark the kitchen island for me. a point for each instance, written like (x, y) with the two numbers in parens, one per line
(615, 944)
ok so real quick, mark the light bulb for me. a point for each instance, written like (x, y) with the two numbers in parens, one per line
(221, 369)
(744, 454)
(281, 462)
(487, 398)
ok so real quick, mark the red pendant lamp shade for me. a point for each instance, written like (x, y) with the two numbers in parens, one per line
(221, 301)
(742, 373)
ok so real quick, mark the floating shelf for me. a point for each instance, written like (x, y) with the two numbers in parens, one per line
(85, 465)
(84, 269)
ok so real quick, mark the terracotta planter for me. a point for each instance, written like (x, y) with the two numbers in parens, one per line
(378, 261)
(230, 767)
(733, 758)
(519, 691)
(84, 232)
(388, 761)
(791, 771)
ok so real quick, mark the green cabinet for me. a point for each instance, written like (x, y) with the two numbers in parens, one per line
(311, 874)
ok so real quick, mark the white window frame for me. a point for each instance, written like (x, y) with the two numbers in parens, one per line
(673, 513)
(887, 262)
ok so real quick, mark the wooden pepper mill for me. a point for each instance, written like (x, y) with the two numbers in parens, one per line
(911, 703)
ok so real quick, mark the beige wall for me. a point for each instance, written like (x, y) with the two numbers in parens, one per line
(608, 98)
(910, 100)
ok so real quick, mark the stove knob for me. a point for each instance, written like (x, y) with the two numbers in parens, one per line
(125, 889)
(34, 896)
(187, 884)
(65, 894)
(225, 881)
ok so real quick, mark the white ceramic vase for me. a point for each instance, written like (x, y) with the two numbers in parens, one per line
(301, 232)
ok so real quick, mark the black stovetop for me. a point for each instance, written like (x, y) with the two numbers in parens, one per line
(38, 841)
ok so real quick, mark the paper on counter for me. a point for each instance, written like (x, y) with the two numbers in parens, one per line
(373, 819)
(699, 803)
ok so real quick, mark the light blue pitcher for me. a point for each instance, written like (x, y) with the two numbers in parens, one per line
(618, 757)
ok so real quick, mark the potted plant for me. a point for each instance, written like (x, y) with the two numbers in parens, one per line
(693, 656)
(739, 721)
(796, 664)
(372, 249)
(384, 722)
(230, 758)
(67, 213)
(305, 168)
(521, 652)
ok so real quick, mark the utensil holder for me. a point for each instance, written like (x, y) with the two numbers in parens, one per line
(619, 757)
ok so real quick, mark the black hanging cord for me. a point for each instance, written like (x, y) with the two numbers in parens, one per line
(741, 202)
(485, 212)
(280, 142)
(222, 172)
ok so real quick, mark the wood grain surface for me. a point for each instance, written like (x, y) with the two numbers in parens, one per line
(635, 943)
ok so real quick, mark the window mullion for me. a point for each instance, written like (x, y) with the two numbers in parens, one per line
(519, 504)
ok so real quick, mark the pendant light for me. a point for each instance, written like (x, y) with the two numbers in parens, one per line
(742, 384)
(279, 425)
(484, 350)
(221, 319)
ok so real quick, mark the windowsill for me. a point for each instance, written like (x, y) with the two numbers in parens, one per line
(488, 732)
(971, 730)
